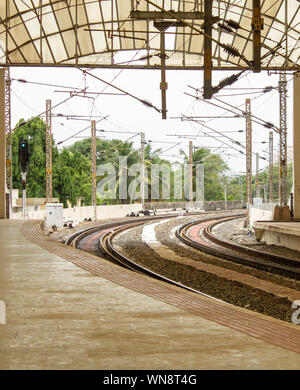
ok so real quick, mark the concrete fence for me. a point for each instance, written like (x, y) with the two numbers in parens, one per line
(118, 211)
(80, 213)
(206, 205)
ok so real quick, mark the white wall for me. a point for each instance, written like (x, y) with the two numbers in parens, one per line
(80, 213)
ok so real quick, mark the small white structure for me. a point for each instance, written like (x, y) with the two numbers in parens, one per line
(54, 215)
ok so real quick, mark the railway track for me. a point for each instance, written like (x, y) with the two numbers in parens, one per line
(199, 235)
(99, 240)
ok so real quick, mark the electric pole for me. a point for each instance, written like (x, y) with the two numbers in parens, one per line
(190, 174)
(271, 166)
(94, 167)
(48, 152)
(225, 194)
(143, 169)
(282, 179)
(23, 163)
(8, 138)
(248, 158)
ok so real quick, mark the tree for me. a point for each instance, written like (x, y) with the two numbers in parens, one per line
(109, 151)
(215, 169)
(153, 160)
(72, 177)
(71, 171)
(34, 131)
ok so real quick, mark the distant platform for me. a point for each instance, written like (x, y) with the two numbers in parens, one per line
(285, 234)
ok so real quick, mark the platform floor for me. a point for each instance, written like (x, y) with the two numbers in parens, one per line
(287, 227)
(284, 234)
(61, 316)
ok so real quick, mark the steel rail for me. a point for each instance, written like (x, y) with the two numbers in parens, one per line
(238, 253)
(107, 249)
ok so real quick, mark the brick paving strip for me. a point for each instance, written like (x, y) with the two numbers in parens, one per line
(257, 325)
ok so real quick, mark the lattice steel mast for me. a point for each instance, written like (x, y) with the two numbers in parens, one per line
(282, 180)
(190, 174)
(143, 169)
(94, 167)
(248, 157)
(48, 152)
(270, 166)
(8, 137)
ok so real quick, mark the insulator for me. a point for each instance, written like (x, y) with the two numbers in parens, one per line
(233, 24)
(268, 89)
(268, 125)
(231, 50)
(225, 28)
(148, 104)
(229, 80)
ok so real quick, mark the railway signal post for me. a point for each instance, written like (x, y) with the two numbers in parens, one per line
(23, 162)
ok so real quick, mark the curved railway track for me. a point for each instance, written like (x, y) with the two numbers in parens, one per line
(98, 240)
(199, 235)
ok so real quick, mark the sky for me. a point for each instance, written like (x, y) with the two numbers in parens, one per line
(124, 115)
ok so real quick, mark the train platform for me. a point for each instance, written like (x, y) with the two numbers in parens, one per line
(285, 233)
(67, 309)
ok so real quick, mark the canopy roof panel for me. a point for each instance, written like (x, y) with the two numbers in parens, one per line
(92, 33)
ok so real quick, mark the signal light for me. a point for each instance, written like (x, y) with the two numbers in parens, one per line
(23, 155)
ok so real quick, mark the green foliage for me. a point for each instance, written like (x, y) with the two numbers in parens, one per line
(71, 171)
(72, 168)
(72, 177)
(235, 185)
(35, 132)
(214, 171)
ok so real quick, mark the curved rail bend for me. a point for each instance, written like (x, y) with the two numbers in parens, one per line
(106, 247)
(212, 245)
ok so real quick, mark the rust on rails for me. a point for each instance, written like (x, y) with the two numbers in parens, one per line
(204, 240)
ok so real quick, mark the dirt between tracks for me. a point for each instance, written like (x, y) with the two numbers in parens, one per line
(239, 294)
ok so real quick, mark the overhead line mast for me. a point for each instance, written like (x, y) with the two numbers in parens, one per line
(248, 159)
(8, 133)
(94, 167)
(48, 152)
(282, 182)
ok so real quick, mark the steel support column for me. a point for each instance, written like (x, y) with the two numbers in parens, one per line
(207, 73)
(190, 174)
(282, 180)
(143, 169)
(94, 167)
(162, 27)
(271, 166)
(163, 83)
(257, 26)
(8, 140)
(248, 157)
(296, 145)
(48, 152)
(2, 146)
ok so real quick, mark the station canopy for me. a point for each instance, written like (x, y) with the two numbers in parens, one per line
(127, 33)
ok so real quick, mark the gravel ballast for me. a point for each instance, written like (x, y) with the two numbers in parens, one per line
(234, 292)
